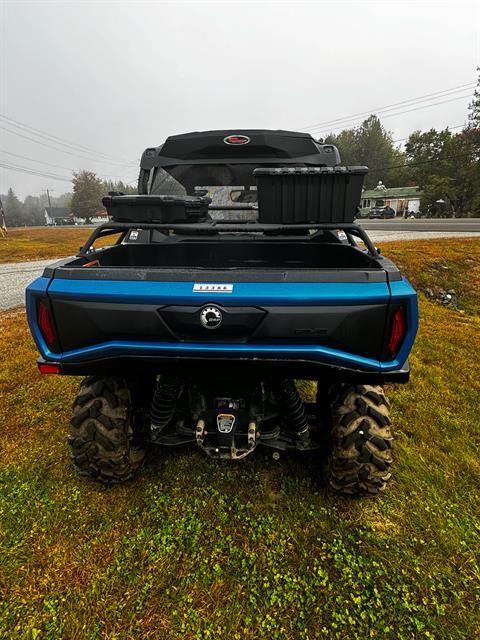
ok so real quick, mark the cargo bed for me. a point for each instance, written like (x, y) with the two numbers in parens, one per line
(229, 253)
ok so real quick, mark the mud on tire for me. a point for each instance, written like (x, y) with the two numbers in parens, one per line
(361, 440)
(101, 432)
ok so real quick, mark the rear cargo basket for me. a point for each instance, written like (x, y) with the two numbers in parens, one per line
(308, 194)
(161, 209)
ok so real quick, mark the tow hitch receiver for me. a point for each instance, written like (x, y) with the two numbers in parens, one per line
(226, 436)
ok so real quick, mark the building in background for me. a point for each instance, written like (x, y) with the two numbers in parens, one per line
(400, 199)
(55, 216)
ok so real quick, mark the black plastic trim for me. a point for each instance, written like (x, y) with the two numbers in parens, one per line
(191, 367)
(215, 275)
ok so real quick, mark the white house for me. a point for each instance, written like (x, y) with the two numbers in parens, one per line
(401, 199)
(55, 216)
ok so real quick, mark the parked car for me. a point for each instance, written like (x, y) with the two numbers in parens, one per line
(383, 213)
(192, 330)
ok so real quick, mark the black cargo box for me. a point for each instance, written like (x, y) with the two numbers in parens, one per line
(161, 209)
(308, 194)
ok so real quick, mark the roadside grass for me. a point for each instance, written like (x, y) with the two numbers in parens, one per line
(195, 549)
(28, 243)
(450, 263)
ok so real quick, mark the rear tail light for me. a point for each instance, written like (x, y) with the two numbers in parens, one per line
(46, 325)
(397, 331)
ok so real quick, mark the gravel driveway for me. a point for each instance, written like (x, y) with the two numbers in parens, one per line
(14, 277)
(385, 236)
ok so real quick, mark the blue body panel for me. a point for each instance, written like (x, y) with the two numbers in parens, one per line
(244, 293)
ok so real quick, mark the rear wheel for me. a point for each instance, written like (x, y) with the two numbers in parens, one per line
(101, 434)
(360, 440)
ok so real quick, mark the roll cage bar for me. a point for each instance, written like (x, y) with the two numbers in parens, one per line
(351, 230)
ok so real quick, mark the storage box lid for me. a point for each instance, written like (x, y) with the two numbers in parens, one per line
(159, 201)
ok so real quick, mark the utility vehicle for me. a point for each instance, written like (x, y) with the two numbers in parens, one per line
(193, 326)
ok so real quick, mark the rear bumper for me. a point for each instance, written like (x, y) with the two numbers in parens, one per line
(232, 367)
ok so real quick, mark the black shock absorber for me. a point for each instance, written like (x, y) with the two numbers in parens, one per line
(164, 402)
(293, 411)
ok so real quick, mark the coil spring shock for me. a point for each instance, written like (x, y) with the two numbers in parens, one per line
(164, 402)
(292, 407)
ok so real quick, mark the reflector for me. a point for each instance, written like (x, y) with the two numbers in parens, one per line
(47, 368)
(397, 331)
(46, 324)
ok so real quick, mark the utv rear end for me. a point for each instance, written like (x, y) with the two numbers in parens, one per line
(237, 270)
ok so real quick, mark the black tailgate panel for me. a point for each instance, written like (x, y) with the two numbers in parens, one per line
(355, 329)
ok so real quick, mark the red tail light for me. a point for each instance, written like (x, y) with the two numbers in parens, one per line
(45, 323)
(397, 331)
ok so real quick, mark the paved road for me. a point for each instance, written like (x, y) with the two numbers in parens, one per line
(461, 225)
(392, 235)
(16, 276)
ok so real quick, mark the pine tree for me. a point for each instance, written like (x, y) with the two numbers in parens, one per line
(14, 212)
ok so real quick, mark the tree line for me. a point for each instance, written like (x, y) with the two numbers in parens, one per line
(445, 165)
(84, 201)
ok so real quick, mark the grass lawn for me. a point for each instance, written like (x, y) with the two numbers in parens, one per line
(38, 243)
(197, 550)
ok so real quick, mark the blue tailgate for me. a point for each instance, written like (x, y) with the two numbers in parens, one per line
(316, 321)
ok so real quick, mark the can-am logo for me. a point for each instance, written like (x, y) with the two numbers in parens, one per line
(237, 139)
(211, 317)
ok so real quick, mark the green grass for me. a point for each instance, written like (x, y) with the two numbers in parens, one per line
(195, 549)
(441, 265)
(41, 243)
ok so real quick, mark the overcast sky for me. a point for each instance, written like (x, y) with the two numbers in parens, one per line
(116, 77)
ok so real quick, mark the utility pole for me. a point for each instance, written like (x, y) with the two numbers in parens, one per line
(49, 202)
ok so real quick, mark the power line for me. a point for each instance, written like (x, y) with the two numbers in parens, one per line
(386, 112)
(457, 126)
(414, 103)
(34, 172)
(58, 140)
(395, 105)
(20, 169)
(398, 113)
(324, 123)
(49, 146)
(56, 166)
(420, 162)
(49, 164)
